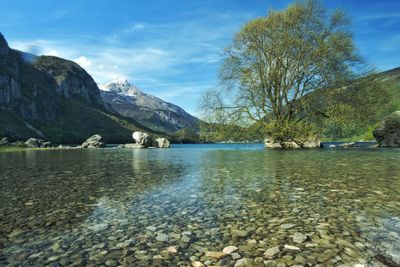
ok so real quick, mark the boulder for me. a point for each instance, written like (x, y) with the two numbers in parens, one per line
(33, 142)
(347, 145)
(311, 143)
(45, 144)
(161, 143)
(4, 141)
(290, 145)
(142, 139)
(388, 134)
(293, 144)
(93, 142)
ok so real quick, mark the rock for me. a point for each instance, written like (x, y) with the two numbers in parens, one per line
(142, 139)
(388, 134)
(290, 145)
(271, 252)
(346, 145)
(161, 143)
(45, 144)
(33, 142)
(273, 145)
(162, 237)
(332, 146)
(172, 250)
(98, 227)
(121, 146)
(215, 254)
(185, 239)
(110, 263)
(270, 263)
(229, 249)
(241, 233)
(93, 142)
(311, 143)
(289, 247)
(151, 228)
(4, 141)
(3, 46)
(287, 225)
(235, 256)
(299, 238)
(242, 263)
(197, 264)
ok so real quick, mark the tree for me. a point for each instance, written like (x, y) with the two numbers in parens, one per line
(274, 61)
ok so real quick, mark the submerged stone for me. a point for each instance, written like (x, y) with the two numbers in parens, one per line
(271, 252)
(299, 238)
(230, 249)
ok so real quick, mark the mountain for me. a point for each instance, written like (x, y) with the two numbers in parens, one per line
(54, 99)
(147, 109)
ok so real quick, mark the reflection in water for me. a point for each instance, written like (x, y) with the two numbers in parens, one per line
(126, 207)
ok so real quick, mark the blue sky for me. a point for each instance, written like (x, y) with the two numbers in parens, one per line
(171, 49)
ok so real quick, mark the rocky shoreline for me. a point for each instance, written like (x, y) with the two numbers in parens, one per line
(140, 140)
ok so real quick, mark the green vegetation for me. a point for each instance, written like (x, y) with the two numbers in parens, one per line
(57, 101)
(290, 75)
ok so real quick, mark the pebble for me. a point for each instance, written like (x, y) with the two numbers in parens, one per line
(185, 239)
(151, 228)
(299, 237)
(172, 250)
(287, 226)
(235, 256)
(110, 263)
(197, 264)
(241, 233)
(242, 263)
(98, 227)
(215, 254)
(230, 249)
(271, 252)
(290, 247)
(162, 237)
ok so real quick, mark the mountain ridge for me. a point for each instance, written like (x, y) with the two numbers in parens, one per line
(149, 110)
(55, 99)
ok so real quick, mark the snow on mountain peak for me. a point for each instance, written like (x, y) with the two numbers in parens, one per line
(122, 87)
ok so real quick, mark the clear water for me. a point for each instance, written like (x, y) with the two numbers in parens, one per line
(112, 207)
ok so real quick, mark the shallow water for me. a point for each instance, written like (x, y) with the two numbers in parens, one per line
(111, 207)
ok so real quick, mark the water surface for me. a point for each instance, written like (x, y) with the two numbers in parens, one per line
(111, 207)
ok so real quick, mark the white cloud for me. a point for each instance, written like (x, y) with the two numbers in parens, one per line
(135, 27)
(52, 53)
(170, 60)
(379, 16)
(83, 62)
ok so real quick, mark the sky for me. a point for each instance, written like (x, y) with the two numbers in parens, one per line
(172, 49)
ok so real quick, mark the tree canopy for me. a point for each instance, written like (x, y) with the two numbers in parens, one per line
(275, 61)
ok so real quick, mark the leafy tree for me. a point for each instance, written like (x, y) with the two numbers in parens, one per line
(276, 60)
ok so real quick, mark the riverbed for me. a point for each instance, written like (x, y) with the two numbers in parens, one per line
(184, 205)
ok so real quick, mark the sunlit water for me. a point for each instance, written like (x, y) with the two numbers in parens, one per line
(112, 207)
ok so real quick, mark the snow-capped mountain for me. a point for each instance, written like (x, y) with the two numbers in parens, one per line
(147, 109)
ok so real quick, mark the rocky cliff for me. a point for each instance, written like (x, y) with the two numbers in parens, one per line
(147, 109)
(54, 98)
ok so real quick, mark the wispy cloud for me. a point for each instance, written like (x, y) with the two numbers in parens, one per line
(379, 16)
(175, 60)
